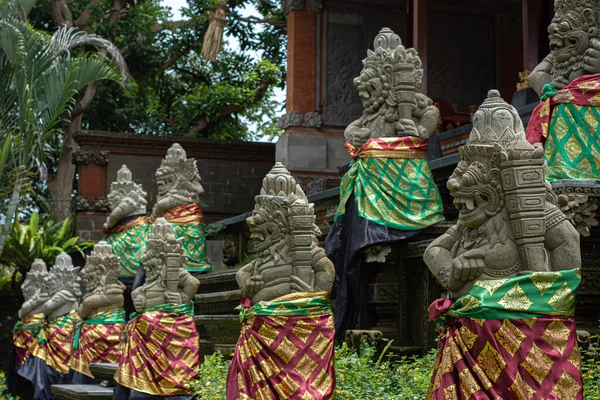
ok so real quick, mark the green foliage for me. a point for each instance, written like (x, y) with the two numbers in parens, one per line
(590, 367)
(41, 238)
(4, 393)
(178, 91)
(211, 381)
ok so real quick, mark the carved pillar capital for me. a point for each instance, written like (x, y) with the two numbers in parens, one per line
(84, 157)
(299, 5)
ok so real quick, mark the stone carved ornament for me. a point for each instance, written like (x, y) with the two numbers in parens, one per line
(34, 289)
(126, 198)
(283, 228)
(496, 235)
(178, 181)
(389, 88)
(574, 44)
(64, 288)
(166, 279)
(103, 290)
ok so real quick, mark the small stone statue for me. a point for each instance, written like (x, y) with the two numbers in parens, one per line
(64, 285)
(178, 201)
(97, 339)
(389, 88)
(289, 282)
(126, 198)
(178, 181)
(574, 45)
(511, 264)
(283, 265)
(162, 347)
(31, 317)
(126, 228)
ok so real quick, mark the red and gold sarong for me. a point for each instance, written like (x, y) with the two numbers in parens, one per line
(188, 224)
(510, 339)
(58, 335)
(98, 340)
(27, 338)
(285, 350)
(567, 121)
(161, 351)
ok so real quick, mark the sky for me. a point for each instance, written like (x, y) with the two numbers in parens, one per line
(232, 42)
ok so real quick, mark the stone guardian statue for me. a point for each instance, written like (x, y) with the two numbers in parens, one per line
(289, 281)
(162, 346)
(511, 264)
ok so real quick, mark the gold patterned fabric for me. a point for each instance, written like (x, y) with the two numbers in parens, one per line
(25, 338)
(285, 350)
(58, 335)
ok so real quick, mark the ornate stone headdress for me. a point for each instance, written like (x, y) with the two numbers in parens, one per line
(35, 279)
(64, 276)
(163, 245)
(176, 162)
(102, 261)
(125, 186)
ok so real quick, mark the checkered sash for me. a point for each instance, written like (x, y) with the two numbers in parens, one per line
(25, 338)
(511, 338)
(161, 350)
(59, 335)
(98, 340)
(285, 350)
(392, 183)
(188, 224)
(128, 240)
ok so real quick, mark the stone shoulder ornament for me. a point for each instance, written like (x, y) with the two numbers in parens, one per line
(574, 44)
(34, 289)
(283, 228)
(178, 181)
(126, 198)
(166, 279)
(508, 221)
(64, 286)
(389, 88)
(104, 291)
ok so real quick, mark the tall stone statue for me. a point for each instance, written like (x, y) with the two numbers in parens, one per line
(388, 194)
(162, 346)
(285, 310)
(126, 228)
(389, 88)
(178, 201)
(27, 331)
(568, 81)
(97, 339)
(512, 266)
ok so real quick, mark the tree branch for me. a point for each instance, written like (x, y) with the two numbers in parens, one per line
(174, 58)
(270, 21)
(169, 25)
(202, 122)
(83, 19)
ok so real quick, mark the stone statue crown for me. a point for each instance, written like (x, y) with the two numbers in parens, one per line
(162, 239)
(35, 276)
(66, 276)
(566, 5)
(176, 161)
(103, 260)
(496, 121)
(279, 182)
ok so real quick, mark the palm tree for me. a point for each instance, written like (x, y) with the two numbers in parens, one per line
(39, 82)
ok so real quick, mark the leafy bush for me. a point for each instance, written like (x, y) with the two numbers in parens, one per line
(4, 393)
(211, 381)
(590, 367)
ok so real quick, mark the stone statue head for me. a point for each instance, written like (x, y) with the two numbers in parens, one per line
(101, 269)
(280, 198)
(34, 283)
(125, 189)
(388, 68)
(161, 242)
(574, 24)
(63, 276)
(476, 184)
(178, 176)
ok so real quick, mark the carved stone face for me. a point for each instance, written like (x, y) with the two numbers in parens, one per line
(570, 32)
(114, 198)
(91, 279)
(264, 230)
(370, 89)
(165, 180)
(152, 267)
(475, 198)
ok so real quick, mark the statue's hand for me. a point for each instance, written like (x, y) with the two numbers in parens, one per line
(173, 297)
(254, 284)
(360, 137)
(139, 303)
(298, 285)
(468, 265)
(591, 59)
(407, 125)
(560, 82)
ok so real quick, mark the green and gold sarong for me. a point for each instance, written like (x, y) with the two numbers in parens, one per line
(58, 336)
(567, 120)
(392, 184)
(128, 239)
(188, 224)
(510, 339)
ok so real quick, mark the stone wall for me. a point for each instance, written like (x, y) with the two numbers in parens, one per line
(231, 172)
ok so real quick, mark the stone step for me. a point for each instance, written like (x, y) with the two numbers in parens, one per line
(217, 281)
(226, 349)
(104, 372)
(82, 392)
(219, 328)
(218, 302)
